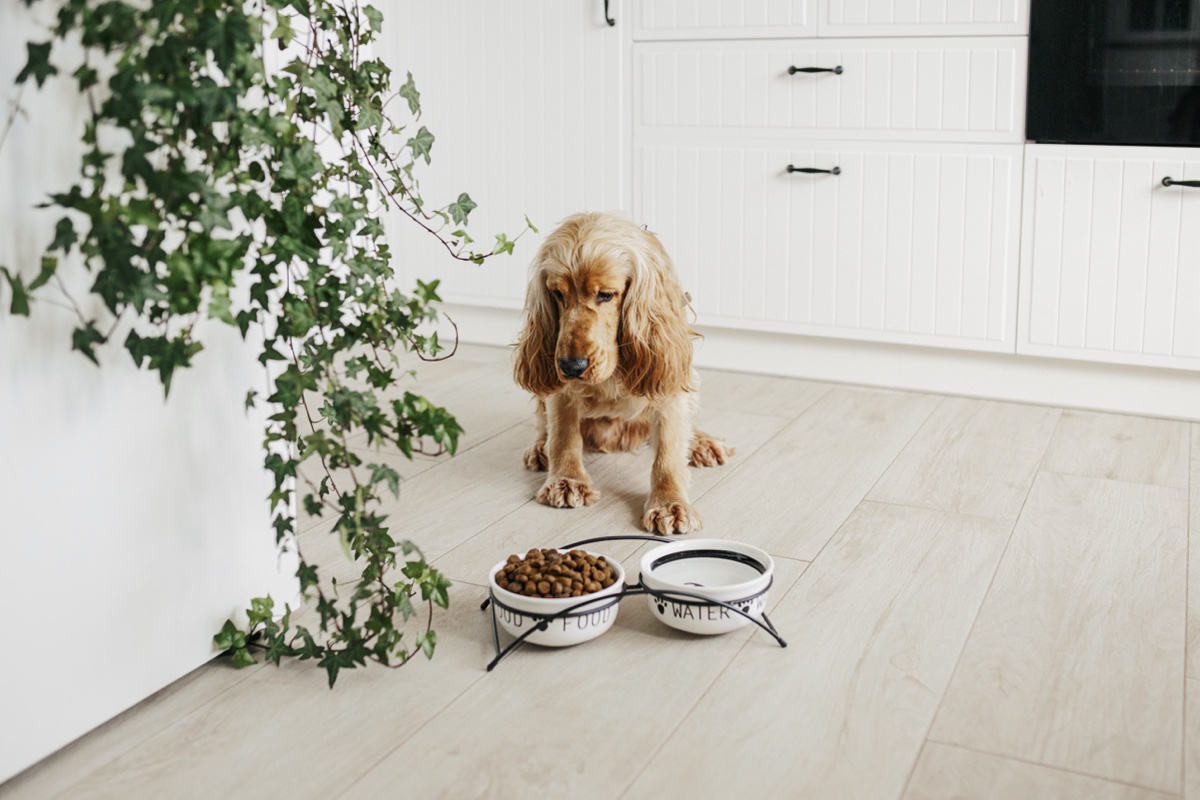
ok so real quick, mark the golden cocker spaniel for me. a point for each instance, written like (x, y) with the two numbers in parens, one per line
(607, 350)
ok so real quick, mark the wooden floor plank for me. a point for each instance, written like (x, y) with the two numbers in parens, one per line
(795, 492)
(1191, 753)
(1076, 660)
(874, 628)
(1193, 625)
(758, 394)
(623, 480)
(571, 723)
(951, 773)
(1119, 447)
(287, 734)
(971, 456)
(57, 774)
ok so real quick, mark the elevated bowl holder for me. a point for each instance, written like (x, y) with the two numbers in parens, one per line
(590, 606)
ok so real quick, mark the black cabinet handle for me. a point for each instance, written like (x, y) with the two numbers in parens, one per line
(1168, 181)
(811, 171)
(611, 22)
(836, 70)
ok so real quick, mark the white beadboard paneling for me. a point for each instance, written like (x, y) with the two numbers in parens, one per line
(526, 106)
(1110, 255)
(922, 17)
(722, 19)
(945, 89)
(911, 243)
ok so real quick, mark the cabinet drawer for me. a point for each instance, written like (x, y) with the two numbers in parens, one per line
(922, 17)
(722, 19)
(913, 244)
(774, 19)
(907, 89)
(1111, 257)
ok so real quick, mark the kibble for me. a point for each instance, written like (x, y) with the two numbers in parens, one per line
(551, 573)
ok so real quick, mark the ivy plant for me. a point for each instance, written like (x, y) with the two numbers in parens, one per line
(258, 149)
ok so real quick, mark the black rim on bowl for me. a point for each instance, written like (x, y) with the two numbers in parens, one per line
(728, 555)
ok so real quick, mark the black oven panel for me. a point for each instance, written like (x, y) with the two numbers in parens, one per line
(1114, 72)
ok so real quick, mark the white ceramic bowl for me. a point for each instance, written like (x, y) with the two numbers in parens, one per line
(732, 572)
(517, 613)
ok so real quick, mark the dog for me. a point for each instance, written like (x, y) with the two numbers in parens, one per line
(607, 350)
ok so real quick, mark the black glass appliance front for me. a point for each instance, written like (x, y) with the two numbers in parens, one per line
(1114, 72)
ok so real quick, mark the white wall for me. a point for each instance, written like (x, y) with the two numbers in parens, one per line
(130, 528)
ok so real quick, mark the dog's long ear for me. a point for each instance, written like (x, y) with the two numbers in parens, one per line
(655, 341)
(534, 369)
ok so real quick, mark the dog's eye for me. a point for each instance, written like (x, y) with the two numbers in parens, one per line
(556, 294)
(603, 297)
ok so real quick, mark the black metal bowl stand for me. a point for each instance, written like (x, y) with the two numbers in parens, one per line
(594, 604)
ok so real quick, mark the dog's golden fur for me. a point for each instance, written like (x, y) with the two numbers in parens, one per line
(603, 289)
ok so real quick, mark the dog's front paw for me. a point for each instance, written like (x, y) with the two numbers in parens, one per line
(535, 458)
(709, 452)
(672, 516)
(567, 493)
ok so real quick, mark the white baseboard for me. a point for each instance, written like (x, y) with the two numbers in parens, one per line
(1027, 379)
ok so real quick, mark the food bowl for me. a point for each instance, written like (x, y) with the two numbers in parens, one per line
(518, 613)
(719, 569)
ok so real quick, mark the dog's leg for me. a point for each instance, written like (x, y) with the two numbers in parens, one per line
(535, 457)
(667, 509)
(707, 451)
(568, 484)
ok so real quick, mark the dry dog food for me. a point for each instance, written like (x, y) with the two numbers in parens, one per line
(549, 573)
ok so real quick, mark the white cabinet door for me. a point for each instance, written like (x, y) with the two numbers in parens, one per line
(1111, 257)
(946, 89)
(922, 17)
(525, 99)
(913, 244)
(722, 19)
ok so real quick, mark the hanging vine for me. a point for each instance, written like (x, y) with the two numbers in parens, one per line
(219, 184)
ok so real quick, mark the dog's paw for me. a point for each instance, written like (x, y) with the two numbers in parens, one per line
(535, 458)
(567, 493)
(672, 516)
(709, 452)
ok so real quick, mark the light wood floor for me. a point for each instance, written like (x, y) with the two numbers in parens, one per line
(982, 600)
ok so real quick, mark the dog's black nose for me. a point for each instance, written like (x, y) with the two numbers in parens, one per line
(573, 367)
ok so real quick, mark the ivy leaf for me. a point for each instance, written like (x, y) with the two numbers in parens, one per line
(307, 575)
(20, 296)
(220, 305)
(409, 92)
(85, 340)
(369, 117)
(283, 30)
(375, 18)
(261, 609)
(532, 227)
(224, 640)
(503, 245)
(38, 65)
(86, 77)
(49, 266)
(427, 641)
(382, 472)
(461, 208)
(242, 658)
(64, 235)
(421, 144)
